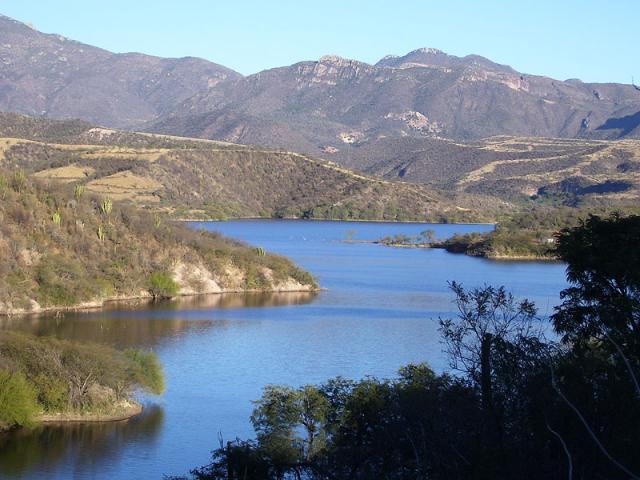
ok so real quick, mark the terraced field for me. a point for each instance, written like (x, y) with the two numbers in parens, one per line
(520, 167)
(204, 179)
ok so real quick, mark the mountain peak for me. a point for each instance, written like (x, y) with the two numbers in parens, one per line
(430, 51)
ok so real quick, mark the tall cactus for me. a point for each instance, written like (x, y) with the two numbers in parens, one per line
(261, 252)
(56, 218)
(106, 206)
(78, 191)
(101, 234)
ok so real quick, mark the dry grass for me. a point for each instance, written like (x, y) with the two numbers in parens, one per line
(126, 186)
(70, 173)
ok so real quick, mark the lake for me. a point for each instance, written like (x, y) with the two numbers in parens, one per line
(379, 311)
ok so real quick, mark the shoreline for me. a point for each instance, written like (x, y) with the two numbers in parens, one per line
(415, 222)
(137, 299)
(505, 258)
(130, 410)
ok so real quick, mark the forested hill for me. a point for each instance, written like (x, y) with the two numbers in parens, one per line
(64, 247)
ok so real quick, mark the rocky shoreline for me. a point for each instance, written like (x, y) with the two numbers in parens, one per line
(125, 410)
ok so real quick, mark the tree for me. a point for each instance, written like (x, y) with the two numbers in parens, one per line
(603, 267)
(599, 320)
(491, 330)
(488, 318)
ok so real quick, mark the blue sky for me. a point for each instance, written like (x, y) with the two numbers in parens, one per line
(591, 40)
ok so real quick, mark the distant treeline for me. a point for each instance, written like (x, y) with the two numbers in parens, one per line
(530, 234)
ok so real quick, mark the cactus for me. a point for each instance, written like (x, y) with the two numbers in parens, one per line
(157, 221)
(101, 234)
(19, 181)
(106, 206)
(261, 252)
(78, 191)
(56, 218)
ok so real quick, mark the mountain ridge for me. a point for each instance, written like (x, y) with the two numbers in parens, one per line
(331, 107)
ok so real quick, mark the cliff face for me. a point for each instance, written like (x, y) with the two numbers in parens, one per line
(61, 248)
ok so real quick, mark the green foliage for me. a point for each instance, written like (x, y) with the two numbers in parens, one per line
(56, 218)
(162, 285)
(54, 376)
(19, 181)
(145, 369)
(603, 268)
(17, 399)
(53, 392)
(3, 187)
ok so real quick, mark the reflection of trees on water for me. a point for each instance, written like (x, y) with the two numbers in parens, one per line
(145, 324)
(240, 300)
(40, 449)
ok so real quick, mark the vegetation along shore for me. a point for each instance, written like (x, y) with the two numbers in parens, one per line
(62, 247)
(52, 381)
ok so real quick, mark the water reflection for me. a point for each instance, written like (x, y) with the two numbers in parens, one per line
(88, 445)
(145, 323)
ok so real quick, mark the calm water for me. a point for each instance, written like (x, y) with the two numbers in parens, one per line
(379, 312)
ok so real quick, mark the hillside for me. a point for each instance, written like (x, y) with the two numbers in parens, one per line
(46, 74)
(568, 170)
(331, 106)
(336, 105)
(63, 247)
(204, 179)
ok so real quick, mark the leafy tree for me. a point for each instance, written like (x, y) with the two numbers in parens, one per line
(18, 404)
(162, 285)
(603, 267)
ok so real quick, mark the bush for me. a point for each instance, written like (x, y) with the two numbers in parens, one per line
(162, 285)
(146, 370)
(52, 393)
(18, 404)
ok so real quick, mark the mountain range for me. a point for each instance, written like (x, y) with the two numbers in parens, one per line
(423, 92)
(422, 117)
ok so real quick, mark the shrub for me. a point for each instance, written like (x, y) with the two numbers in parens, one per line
(162, 285)
(18, 404)
(145, 370)
(52, 393)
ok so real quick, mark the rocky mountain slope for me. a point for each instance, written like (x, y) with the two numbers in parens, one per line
(50, 75)
(327, 106)
(334, 106)
(206, 179)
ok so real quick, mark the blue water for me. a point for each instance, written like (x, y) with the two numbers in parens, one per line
(379, 311)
